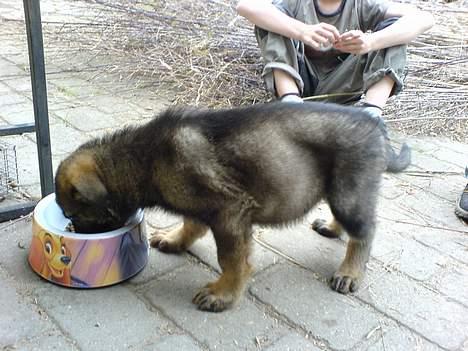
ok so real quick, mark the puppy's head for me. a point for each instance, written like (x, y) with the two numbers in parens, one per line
(83, 196)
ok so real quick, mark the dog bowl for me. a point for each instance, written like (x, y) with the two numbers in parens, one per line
(85, 260)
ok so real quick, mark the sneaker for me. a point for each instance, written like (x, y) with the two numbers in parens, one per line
(292, 98)
(376, 112)
(461, 209)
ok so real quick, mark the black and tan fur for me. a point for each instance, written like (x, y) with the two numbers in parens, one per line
(227, 170)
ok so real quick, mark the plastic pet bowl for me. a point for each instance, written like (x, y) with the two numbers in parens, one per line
(85, 260)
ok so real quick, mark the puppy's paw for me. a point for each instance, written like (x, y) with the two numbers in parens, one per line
(345, 283)
(168, 242)
(208, 300)
(321, 227)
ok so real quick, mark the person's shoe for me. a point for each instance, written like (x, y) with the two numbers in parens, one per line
(461, 210)
(292, 98)
(374, 110)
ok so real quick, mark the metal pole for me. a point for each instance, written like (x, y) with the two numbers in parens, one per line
(32, 13)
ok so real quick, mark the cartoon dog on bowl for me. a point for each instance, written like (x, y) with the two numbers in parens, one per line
(51, 257)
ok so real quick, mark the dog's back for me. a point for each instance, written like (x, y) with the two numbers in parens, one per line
(285, 156)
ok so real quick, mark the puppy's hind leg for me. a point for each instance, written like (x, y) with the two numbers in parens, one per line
(352, 269)
(357, 218)
(351, 272)
(180, 238)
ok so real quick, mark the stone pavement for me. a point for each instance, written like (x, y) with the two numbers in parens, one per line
(415, 296)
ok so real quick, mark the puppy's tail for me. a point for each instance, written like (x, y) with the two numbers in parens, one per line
(397, 162)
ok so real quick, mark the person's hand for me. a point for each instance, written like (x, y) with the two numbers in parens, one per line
(320, 35)
(354, 42)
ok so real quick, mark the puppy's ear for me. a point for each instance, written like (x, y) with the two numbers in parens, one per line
(83, 177)
(89, 187)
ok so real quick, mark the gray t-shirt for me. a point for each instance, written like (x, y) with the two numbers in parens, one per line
(361, 15)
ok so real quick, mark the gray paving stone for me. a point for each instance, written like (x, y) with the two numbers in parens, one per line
(174, 342)
(8, 110)
(19, 321)
(400, 338)
(48, 341)
(421, 144)
(8, 69)
(75, 87)
(16, 239)
(112, 104)
(158, 264)
(23, 324)
(429, 163)
(406, 254)
(319, 254)
(440, 213)
(452, 243)
(63, 139)
(293, 342)
(453, 282)
(20, 83)
(11, 98)
(27, 158)
(205, 250)
(87, 119)
(103, 319)
(160, 219)
(340, 320)
(446, 186)
(235, 329)
(454, 146)
(4, 88)
(437, 318)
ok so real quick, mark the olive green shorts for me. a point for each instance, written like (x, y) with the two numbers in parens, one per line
(353, 75)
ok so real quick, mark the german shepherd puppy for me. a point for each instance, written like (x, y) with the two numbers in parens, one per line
(226, 170)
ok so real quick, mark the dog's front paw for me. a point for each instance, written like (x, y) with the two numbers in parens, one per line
(208, 300)
(167, 242)
(345, 283)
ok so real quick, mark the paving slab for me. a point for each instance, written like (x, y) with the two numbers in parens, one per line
(435, 317)
(18, 321)
(400, 338)
(340, 321)
(174, 342)
(315, 252)
(23, 324)
(87, 119)
(293, 342)
(236, 329)
(406, 254)
(103, 319)
(205, 250)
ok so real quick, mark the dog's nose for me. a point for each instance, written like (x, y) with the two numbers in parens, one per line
(65, 259)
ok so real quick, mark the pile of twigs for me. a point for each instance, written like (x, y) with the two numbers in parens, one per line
(205, 54)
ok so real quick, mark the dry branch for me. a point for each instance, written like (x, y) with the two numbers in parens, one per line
(205, 54)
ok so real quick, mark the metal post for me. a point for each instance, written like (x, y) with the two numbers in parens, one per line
(32, 14)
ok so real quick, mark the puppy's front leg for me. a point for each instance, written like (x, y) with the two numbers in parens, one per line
(180, 238)
(233, 255)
